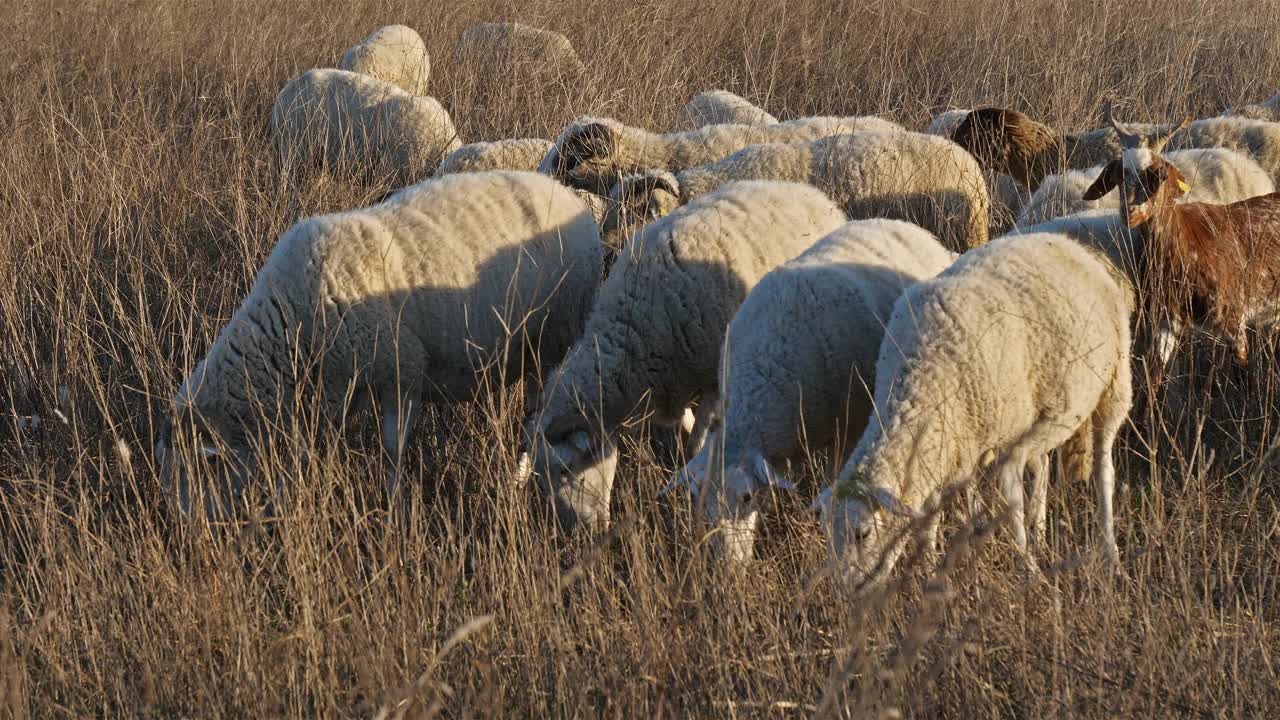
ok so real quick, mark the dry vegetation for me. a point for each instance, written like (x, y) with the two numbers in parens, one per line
(139, 196)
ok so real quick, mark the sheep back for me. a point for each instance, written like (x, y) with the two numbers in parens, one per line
(348, 119)
(802, 348)
(424, 290)
(715, 107)
(510, 154)
(394, 54)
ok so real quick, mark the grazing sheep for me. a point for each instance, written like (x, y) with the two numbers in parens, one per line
(1019, 348)
(799, 365)
(595, 153)
(1214, 265)
(394, 54)
(652, 343)
(946, 122)
(349, 119)
(920, 178)
(1268, 110)
(521, 45)
(1010, 142)
(423, 298)
(1216, 175)
(720, 107)
(514, 154)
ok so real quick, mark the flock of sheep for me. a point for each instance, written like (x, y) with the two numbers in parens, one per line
(773, 290)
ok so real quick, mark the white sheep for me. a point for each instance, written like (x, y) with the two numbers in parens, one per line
(719, 107)
(445, 286)
(595, 153)
(394, 54)
(920, 178)
(799, 365)
(1019, 348)
(1268, 109)
(345, 118)
(946, 122)
(1216, 175)
(652, 343)
(510, 154)
(510, 42)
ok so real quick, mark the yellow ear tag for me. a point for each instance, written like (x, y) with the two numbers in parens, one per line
(1183, 186)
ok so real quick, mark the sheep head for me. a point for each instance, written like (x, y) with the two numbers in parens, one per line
(864, 525)
(729, 494)
(639, 199)
(1010, 142)
(200, 467)
(573, 466)
(584, 156)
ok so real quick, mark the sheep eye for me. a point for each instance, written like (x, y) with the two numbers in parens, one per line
(861, 534)
(746, 498)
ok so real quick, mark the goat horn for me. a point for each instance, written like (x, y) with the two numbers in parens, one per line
(1159, 142)
(1128, 140)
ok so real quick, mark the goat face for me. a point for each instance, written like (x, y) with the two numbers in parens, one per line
(1146, 180)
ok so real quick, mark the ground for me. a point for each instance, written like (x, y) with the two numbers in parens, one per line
(139, 194)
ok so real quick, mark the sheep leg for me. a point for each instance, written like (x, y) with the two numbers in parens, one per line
(400, 411)
(1039, 498)
(1011, 472)
(703, 417)
(1104, 478)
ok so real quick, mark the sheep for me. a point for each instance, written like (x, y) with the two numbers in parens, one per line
(511, 42)
(799, 364)
(443, 287)
(394, 54)
(718, 107)
(512, 154)
(652, 343)
(946, 122)
(1010, 142)
(1268, 110)
(595, 153)
(341, 118)
(1214, 265)
(1019, 348)
(921, 178)
(1216, 176)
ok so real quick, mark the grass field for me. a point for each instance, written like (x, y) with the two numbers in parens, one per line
(139, 195)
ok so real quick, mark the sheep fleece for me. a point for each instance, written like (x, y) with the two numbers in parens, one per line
(1016, 343)
(416, 288)
(342, 117)
(660, 320)
(921, 178)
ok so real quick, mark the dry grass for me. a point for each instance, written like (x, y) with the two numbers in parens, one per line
(139, 196)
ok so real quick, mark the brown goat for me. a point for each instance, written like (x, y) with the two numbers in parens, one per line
(1008, 141)
(1214, 265)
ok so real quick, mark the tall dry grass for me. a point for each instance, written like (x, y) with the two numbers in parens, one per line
(139, 195)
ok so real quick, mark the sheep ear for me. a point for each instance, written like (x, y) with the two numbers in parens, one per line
(589, 141)
(766, 476)
(882, 499)
(1106, 182)
(665, 182)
